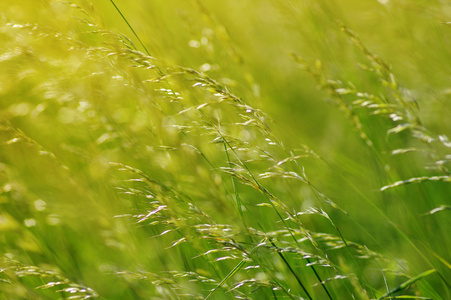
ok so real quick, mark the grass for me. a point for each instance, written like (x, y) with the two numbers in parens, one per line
(206, 150)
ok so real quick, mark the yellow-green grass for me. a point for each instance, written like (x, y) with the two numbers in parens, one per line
(225, 149)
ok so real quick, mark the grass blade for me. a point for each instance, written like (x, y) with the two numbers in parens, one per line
(407, 283)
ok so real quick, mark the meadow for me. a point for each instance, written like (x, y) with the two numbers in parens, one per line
(205, 149)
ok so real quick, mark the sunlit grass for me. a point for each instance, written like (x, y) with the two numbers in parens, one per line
(206, 150)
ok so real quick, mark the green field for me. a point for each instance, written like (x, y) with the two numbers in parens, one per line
(240, 149)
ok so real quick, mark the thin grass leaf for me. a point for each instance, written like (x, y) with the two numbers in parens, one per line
(407, 283)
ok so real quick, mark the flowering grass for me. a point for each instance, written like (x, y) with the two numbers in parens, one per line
(221, 150)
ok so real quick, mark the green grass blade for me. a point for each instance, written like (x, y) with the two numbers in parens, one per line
(407, 283)
(130, 26)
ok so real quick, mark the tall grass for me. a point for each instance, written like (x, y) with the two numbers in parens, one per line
(185, 150)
